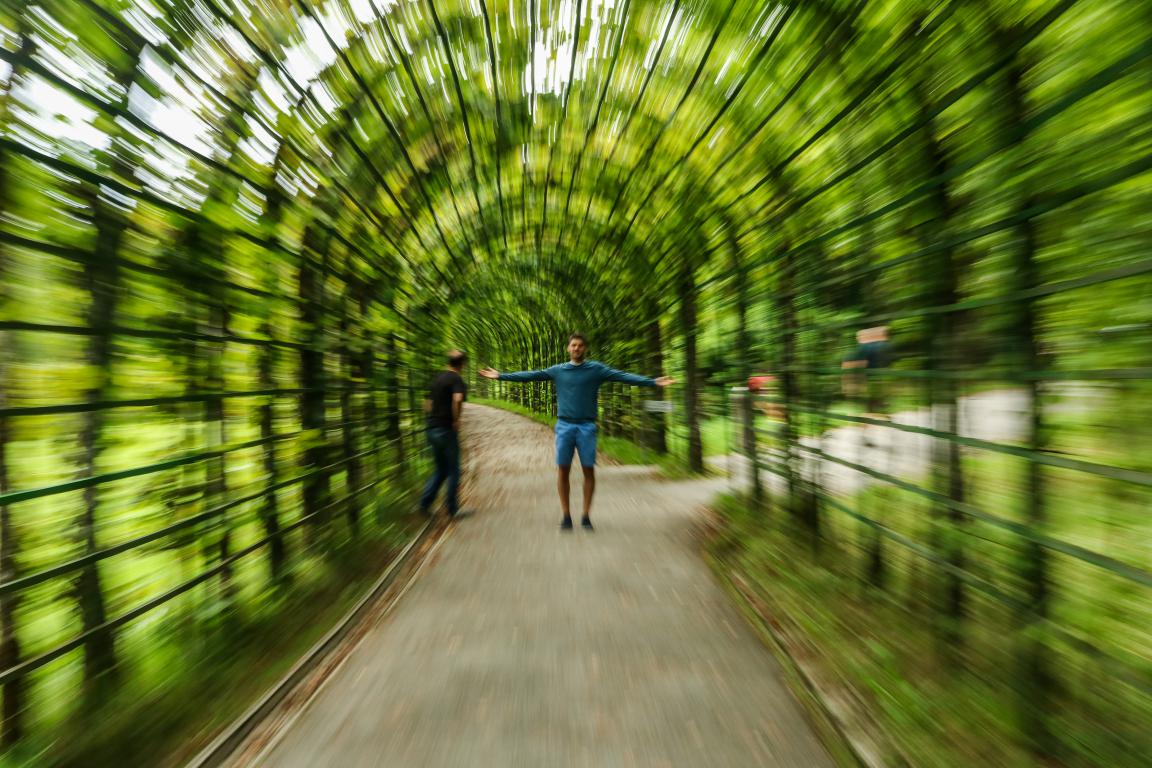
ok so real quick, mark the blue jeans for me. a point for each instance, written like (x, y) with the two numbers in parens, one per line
(446, 454)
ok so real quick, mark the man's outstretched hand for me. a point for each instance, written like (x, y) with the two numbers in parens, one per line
(665, 381)
(490, 373)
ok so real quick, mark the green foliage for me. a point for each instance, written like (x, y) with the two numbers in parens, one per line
(930, 707)
(209, 199)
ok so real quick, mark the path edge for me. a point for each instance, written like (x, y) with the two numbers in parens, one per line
(225, 745)
(835, 720)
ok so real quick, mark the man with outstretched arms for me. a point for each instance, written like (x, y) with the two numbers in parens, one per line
(577, 384)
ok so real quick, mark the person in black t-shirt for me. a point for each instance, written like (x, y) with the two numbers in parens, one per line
(444, 404)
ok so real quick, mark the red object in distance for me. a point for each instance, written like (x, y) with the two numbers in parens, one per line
(760, 382)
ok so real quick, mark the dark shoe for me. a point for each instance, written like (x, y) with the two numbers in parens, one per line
(586, 524)
(425, 512)
(566, 524)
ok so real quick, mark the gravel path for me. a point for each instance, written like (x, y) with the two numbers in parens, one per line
(522, 645)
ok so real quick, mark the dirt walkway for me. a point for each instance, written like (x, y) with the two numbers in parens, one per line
(522, 645)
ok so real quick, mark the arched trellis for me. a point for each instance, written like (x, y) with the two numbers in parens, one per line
(371, 90)
(368, 90)
(482, 215)
(782, 231)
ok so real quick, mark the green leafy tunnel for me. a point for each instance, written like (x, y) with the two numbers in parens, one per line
(237, 236)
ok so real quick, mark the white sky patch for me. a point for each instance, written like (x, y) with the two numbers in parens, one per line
(181, 122)
(57, 114)
(539, 66)
(363, 11)
(176, 113)
(142, 17)
(324, 97)
(335, 23)
(250, 203)
(272, 90)
(158, 71)
(261, 146)
(170, 180)
(310, 55)
(308, 179)
(77, 67)
(552, 56)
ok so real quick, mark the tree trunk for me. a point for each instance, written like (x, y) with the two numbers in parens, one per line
(658, 434)
(392, 403)
(206, 252)
(366, 359)
(101, 280)
(316, 490)
(270, 507)
(1035, 665)
(688, 324)
(744, 365)
(800, 502)
(353, 466)
(941, 286)
(266, 365)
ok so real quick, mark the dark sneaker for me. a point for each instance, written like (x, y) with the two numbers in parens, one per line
(566, 524)
(586, 524)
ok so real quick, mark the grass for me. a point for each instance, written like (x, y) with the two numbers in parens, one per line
(504, 405)
(932, 712)
(947, 703)
(714, 435)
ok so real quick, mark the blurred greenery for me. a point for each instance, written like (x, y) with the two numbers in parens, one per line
(237, 237)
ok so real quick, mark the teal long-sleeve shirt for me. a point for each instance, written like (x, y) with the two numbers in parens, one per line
(578, 386)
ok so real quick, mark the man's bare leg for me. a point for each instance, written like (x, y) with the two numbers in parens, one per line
(562, 488)
(589, 489)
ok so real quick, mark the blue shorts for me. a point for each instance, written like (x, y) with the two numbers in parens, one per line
(575, 436)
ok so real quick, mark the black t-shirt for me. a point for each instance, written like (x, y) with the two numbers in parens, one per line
(443, 387)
